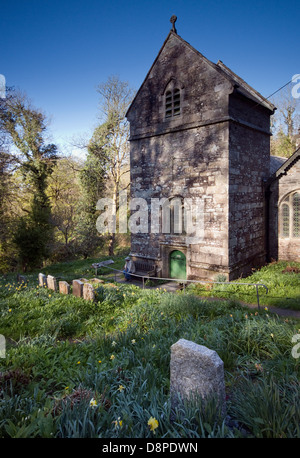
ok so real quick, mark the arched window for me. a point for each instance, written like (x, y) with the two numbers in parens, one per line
(296, 214)
(171, 216)
(177, 216)
(285, 218)
(290, 216)
(172, 103)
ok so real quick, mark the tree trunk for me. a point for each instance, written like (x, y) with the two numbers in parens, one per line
(112, 238)
(111, 245)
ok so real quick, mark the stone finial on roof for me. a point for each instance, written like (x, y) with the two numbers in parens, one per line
(173, 20)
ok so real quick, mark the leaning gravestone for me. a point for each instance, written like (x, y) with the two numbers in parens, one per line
(88, 292)
(196, 370)
(42, 280)
(51, 282)
(77, 288)
(64, 287)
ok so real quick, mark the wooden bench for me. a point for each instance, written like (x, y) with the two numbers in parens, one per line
(144, 269)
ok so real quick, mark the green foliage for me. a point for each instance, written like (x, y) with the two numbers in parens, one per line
(75, 368)
(283, 145)
(269, 407)
(26, 127)
(32, 242)
(281, 278)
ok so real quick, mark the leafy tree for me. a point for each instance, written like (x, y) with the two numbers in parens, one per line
(282, 145)
(27, 127)
(109, 143)
(92, 179)
(64, 192)
(285, 123)
(6, 166)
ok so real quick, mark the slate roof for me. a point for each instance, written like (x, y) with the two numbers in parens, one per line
(275, 163)
(284, 167)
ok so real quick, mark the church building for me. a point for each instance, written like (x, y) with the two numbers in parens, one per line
(200, 134)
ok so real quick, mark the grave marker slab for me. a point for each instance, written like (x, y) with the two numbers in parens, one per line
(77, 288)
(21, 278)
(88, 292)
(42, 280)
(195, 370)
(98, 265)
(96, 280)
(64, 287)
(51, 282)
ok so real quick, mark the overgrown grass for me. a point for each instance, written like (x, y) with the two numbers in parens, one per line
(281, 278)
(74, 368)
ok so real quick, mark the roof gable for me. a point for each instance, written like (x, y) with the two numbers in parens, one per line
(236, 82)
(290, 162)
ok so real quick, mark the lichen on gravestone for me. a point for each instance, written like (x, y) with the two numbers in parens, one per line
(77, 288)
(51, 282)
(196, 371)
(64, 287)
(42, 280)
(88, 292)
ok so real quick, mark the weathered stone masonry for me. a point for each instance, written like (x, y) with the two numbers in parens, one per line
(284, 183)
(217, 148)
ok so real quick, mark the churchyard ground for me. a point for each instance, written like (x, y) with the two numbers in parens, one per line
(77, 368)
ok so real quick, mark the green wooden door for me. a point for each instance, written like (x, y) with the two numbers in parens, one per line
(177, 265)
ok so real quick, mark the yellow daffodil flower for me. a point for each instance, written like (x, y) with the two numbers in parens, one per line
(118, 423)
(153, 423)
(93, 402)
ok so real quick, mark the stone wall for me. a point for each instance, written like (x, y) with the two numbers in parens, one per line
(216, 149)
(248, 168)
(184, 157)
(184, 164)
(279, 247)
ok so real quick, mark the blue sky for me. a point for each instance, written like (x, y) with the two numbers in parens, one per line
(58, 51)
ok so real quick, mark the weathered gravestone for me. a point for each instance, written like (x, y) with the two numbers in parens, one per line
(21, 279)
(43, 280)
(64, 287)
(77, 288)
(88, 292)
(96, 280)
(51, 282)
(196, 371)
(98, 265)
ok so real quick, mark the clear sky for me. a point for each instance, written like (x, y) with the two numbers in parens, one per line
(57, 51)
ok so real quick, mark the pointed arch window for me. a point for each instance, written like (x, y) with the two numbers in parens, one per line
(172, 103)
(290, 216)
(296, 215)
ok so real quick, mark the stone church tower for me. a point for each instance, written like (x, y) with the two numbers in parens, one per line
(197, 130)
